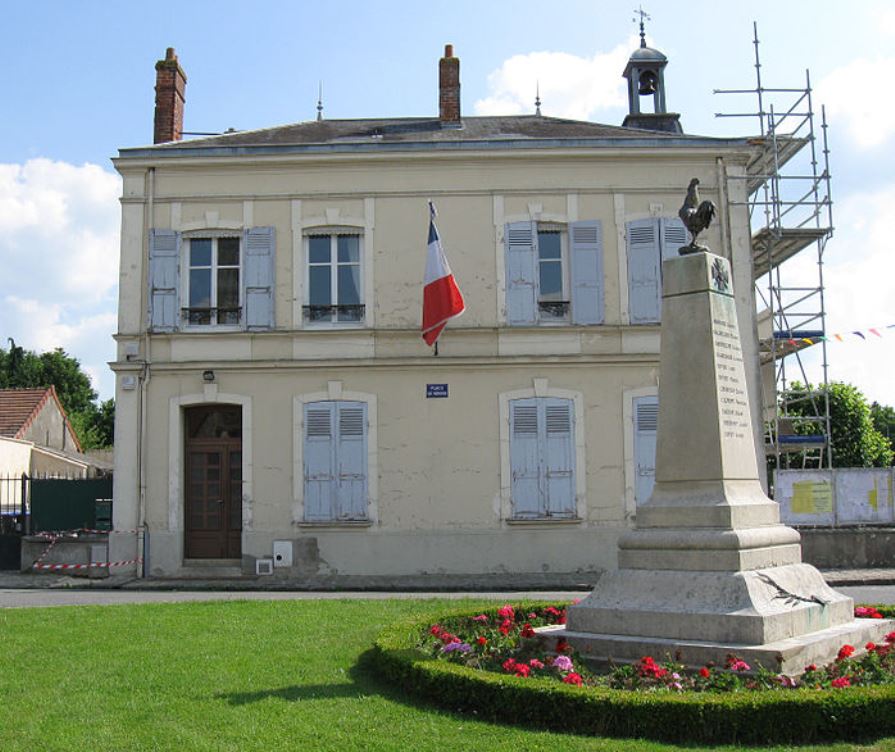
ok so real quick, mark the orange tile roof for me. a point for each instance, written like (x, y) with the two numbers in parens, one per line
(19, 408)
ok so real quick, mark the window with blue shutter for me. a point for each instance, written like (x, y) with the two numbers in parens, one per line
(542, 458)
(258, 279)
(335, 461)
(521, 261)
(646, 422)
(164, 280)
(554, 273)
(644, 271)
(650, 242)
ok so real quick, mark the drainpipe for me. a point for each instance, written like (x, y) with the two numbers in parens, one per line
(145, 376)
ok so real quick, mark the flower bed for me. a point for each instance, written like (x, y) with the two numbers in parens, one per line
(489, 663)
(506, 641)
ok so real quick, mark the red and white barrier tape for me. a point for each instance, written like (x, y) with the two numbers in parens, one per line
(77, 531)
(100, 564)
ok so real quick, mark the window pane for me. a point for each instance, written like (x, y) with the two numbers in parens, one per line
(228, 288)
(349, 284)
(549, 246)
(320, 293)
(349, 248)
(200, 288)
(319, 249)
(551, 280)
(200, 252)
(228, 251)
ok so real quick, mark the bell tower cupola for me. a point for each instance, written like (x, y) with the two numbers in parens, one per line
(645, 73)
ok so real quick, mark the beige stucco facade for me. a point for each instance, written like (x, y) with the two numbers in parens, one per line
(439, 506)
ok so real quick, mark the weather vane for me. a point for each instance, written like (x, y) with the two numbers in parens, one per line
(643, 15)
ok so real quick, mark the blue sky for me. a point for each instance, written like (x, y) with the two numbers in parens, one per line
(79, 81)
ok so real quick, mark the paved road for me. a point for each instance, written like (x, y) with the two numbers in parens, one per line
(46, 597)
(14, 598)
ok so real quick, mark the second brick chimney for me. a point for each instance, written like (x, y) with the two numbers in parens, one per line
(170, 88)
(449, 89)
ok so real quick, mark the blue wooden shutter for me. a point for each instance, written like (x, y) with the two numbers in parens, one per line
(319, 461)
(525, 458)
(351, 456)
(559, 444)
(164, 280)
(522, 273)
(258, 278)
(586, 240)
(644, 273)
(674, 235)
(646, 421)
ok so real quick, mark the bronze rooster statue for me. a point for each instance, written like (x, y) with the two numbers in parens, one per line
(696, 216)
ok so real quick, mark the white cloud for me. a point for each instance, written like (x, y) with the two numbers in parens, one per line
(852, 96)
(59, 237)
(570, 86)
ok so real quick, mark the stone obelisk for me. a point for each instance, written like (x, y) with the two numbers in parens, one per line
(708, 569)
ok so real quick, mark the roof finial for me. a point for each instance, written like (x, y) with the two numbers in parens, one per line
(643, 14)
(537, 98)
(320, 101)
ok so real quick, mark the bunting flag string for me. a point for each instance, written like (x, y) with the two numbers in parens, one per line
(815, 339)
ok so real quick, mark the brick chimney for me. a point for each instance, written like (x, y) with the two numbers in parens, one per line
(170, 85)
(449, 89)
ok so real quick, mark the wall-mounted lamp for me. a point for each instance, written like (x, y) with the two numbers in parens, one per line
(208, 377)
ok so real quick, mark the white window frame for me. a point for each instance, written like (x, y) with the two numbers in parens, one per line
(186, 267)
(334, 264)
(540, 388)
(562, 230)
(334, 393)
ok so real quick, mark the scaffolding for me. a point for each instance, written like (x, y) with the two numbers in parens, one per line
(790, 210)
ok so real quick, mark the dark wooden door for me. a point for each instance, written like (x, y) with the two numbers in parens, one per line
(213, 483)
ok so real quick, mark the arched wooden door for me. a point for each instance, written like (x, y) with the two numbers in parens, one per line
(213, 489)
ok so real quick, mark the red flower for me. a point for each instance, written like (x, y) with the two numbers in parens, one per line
(562, 617)
(506, 612)
(482, 641)
(552, 610)
(508, 665)
(447, 637)
(573, 678)
(505, 627)
(435, 629)
(870, 646)
(704, 673)
(527, 631)
(811, 667)
(521, 669)
(841, 682)
(562, 646)
(890, 637)
(844, 652)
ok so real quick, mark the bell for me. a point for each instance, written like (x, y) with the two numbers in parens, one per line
(647, 83)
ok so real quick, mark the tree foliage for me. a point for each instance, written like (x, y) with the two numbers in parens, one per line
(854, 439)
(24, 369)
(884, 421)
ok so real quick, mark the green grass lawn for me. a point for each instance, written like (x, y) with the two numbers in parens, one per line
(240, 676)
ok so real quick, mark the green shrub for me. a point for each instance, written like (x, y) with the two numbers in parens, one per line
(795, 717)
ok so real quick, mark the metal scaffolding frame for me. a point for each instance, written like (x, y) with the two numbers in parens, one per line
(790, 209)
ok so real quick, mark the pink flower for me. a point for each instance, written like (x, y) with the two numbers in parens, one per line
(563, 663)
(481, 618)
(508, 665)
(573, 678)
(737, 664)
(841, 682)
(535, 663)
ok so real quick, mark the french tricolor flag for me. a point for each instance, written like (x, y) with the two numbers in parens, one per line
(441, 296)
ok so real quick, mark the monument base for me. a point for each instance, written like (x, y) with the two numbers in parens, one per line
(783, 618)
(788, 656)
